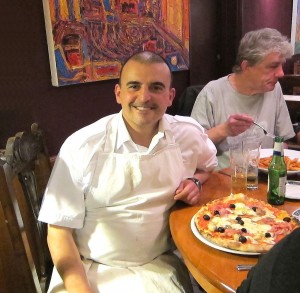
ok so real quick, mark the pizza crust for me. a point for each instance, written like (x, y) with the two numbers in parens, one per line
(236, 245)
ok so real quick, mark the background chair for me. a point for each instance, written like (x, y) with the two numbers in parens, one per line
(25, 168)
(187, 99)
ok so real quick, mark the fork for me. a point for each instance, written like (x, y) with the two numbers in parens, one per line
(265, 131)
(244, 267)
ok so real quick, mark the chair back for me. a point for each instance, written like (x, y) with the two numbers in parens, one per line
(187, 99)
(24, 172)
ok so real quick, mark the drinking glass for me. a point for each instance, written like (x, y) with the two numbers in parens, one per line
(238, 169)
(252, 151)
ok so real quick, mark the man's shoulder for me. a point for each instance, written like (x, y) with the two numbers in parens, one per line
(215, 88)
(92, 132)
(183, 122)
(217, 82)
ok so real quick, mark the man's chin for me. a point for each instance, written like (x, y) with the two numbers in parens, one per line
(270, 87)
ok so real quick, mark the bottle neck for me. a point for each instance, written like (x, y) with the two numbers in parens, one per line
(278, 149)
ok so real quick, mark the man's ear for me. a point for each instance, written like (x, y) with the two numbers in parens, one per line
(171, 96)
(244, 65)
(118, 93)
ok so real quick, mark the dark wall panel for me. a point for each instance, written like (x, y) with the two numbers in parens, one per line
(204, 39)
(229, 33)
(271, 13)
(268, 13)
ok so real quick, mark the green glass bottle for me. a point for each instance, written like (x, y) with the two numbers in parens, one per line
(277, 173)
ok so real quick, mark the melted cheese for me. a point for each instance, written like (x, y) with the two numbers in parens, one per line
(221, 221)
(211, 227)
(258, 230)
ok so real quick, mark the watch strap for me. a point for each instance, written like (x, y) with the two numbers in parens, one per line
(196, 181)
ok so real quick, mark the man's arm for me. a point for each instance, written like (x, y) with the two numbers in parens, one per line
(218, 133)
(233, 126)
(67, 260)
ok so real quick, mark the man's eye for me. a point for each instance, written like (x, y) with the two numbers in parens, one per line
(157, 88)
(274, 66)
(133, 86)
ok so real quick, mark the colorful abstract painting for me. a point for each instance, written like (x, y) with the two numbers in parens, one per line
(89, 40)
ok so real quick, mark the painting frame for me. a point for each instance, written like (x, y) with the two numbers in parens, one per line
(89, 40)
(295, 27)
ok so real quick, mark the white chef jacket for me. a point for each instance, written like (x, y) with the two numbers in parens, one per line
(118, 199)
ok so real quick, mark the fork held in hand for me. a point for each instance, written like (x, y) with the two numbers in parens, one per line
(265, 131)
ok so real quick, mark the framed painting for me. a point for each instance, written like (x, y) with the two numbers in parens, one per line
(295, 31)
(89, 40)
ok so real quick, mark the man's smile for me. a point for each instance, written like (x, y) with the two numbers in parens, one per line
(143, 108)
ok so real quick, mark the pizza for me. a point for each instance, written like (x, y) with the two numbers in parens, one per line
(242, 223)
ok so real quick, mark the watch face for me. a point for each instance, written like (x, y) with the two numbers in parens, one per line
(198, 184)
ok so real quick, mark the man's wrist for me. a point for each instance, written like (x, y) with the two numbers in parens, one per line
(196, 181)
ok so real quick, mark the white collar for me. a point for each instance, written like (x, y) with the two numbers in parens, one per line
(123, 135)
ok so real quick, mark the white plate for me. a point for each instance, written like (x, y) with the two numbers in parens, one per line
(213, 245)
(292, 191)
(296, 214)
(292, 154)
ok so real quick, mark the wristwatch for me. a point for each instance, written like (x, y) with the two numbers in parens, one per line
(197, 182)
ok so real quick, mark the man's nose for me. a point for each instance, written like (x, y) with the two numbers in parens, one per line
(144, 94)
(279, 72)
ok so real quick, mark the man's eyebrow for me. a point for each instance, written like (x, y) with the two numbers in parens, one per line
(133, 82)
(275, 63)
(158, 83)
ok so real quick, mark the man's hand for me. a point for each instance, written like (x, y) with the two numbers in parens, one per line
(188, 192)
(238, 123)
(234, 125)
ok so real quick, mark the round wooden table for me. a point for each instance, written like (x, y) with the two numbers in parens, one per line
(214, 270)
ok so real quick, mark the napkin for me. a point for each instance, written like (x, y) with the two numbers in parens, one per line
(292, 191)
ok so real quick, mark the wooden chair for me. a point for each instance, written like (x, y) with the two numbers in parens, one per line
(25, 263)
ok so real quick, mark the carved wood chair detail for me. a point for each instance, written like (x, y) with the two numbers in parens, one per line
(24, 173)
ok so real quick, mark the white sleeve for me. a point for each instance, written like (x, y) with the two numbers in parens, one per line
(63, 202)
(198, 151)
